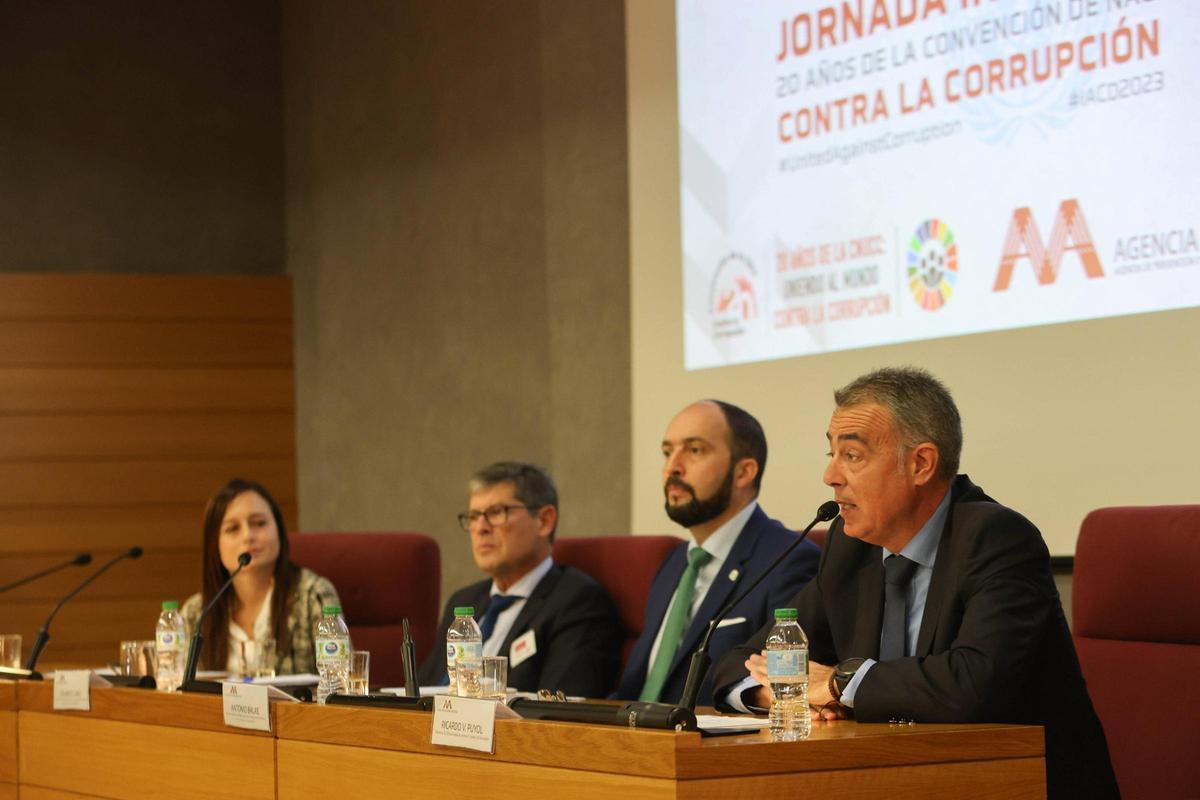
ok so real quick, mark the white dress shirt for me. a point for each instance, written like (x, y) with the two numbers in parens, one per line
(718, 546)
(522, 588)
(262, 630)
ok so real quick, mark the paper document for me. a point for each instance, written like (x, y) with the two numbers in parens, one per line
(715, 724)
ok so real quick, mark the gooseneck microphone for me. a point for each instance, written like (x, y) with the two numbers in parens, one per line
(409, 659)
(701, 661)
(189, 670)
(78, 561)
(43, 636)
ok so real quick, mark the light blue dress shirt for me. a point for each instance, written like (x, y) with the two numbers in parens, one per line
(922, 549)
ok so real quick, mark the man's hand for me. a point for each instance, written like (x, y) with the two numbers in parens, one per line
(819, 700)
(761, 697)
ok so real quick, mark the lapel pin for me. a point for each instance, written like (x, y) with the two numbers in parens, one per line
(733, 574)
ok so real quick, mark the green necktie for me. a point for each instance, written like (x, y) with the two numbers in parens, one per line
(681, 609)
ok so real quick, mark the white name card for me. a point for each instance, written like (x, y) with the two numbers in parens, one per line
(246, 705)
(468, 723)
(72, 690)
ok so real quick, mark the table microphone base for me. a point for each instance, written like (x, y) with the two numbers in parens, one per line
(381, 700)
(656, 716)
(18, 674)
(132, 681)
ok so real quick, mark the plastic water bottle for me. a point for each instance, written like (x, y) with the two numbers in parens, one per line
(332, 640)
(464, 654)
(787, 672)
(170, 647)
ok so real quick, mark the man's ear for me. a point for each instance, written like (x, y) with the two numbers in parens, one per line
(744, 472)
(547, 519)
(923, 461)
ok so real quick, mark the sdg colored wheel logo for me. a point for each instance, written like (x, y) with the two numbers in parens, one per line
(932, 264)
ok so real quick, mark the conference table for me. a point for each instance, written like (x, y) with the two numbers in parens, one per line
(136, 744)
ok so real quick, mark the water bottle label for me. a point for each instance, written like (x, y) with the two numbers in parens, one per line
(168, 640)
(467, 651)
(787, 663)
(332, 648)
(450, 653)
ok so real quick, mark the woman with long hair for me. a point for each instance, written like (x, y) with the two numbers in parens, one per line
(272, 597)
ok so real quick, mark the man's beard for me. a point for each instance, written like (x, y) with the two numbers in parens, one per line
(696, 511)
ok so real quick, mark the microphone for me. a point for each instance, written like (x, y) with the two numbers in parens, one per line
(43, 636)
(190, 684)
(408, 655)
(698, 668)
(78, 561)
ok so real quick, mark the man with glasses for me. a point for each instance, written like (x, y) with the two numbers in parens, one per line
(714, 456)
(557, 626)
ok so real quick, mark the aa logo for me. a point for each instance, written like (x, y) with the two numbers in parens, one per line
(1069, 234)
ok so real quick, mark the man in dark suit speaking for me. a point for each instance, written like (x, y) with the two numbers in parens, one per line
(557, 626)
(933, 602)
(714, 456)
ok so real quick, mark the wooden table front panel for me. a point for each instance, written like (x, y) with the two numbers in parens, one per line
(369, 774)
(8, 740)
(132, 761)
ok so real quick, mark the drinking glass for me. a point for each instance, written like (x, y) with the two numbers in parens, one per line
(10, 650)
(257, 659)
(359, 676)
(138, 657)
(494, 679)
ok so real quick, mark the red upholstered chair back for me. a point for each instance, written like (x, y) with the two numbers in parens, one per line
(381, 578)
(1136, 624)
(625, 567)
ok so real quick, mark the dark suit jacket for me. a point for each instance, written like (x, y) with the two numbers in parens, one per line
(575, 625)
(993, 644)
(760, 542)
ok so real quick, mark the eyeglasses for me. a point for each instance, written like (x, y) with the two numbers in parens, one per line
(496, 515)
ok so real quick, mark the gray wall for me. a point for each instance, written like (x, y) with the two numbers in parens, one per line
(141, 136)
(457, 231)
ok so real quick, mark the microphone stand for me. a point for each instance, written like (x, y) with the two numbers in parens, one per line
(78, 561)
(411, 700)
(698, 669)
(409, 657)
(43, 636)
(189, 683)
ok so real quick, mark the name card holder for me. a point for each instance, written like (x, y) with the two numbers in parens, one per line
(467, 723)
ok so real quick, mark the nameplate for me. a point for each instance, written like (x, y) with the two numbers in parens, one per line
(73, 690)
(246, 705)
(468, 723)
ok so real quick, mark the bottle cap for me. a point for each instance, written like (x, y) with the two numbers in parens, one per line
(170, 605)
(785, 613)
(329, 611)
(464, 611)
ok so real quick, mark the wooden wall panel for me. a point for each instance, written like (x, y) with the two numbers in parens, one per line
(30, 296)
(88, 437)
(125, 401)
(93, 389)
(41, 531)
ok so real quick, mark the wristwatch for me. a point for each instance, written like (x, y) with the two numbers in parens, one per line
(841, 676)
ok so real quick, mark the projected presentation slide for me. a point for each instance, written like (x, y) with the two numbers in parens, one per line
(866, 172)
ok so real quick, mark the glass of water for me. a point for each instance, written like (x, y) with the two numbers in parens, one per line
(138, 657)
(10, 650)
(358, 678)
(494, 679)
(257, 659)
